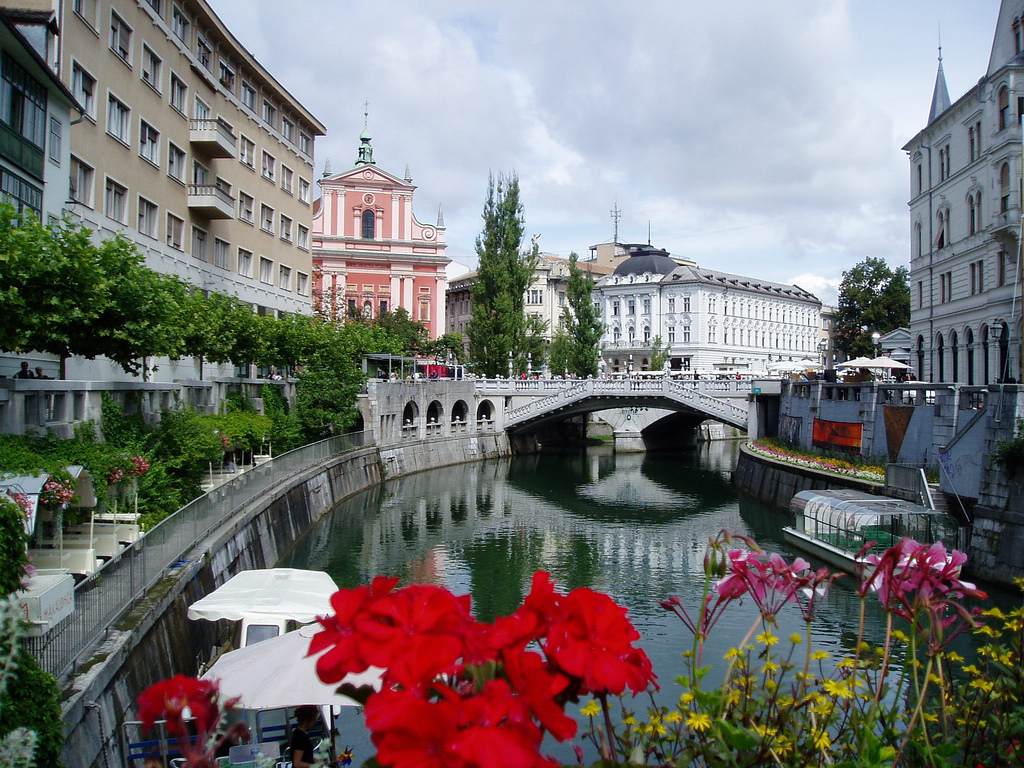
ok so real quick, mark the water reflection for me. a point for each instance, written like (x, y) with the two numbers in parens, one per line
(635, 526)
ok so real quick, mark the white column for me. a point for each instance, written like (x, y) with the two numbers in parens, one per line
(440, 301)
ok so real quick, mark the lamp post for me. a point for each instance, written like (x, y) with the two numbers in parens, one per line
(876, 338)
(510, 363)
(823, 351)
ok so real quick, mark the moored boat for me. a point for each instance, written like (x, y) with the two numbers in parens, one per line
(835, 525)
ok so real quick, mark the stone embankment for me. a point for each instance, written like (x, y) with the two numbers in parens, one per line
(156, 640)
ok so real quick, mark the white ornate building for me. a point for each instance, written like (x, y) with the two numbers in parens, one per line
(965, 217)
(707, 320)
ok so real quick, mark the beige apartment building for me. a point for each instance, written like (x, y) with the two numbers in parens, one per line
(189, 147)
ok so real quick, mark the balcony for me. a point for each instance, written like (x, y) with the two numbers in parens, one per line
(216, 138)
(1005, 226)
(211, 201)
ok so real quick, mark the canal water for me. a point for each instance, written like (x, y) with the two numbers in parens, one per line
(632, 525)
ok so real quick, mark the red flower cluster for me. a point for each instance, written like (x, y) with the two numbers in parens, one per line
(140, 465)
(22, 501)
(458, 692)
(115, 475)
(167, 700)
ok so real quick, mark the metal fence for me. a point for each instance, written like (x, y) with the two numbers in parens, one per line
(123, 579)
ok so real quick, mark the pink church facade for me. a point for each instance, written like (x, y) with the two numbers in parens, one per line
(370, 253)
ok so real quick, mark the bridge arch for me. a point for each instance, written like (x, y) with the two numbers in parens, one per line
(485, 411)
(434, 412)
(410, 413)
(459, 411)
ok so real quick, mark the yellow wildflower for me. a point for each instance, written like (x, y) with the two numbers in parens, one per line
(698, 721)
(675, 716)
(767, 638)
(795, 639)
(819, 655)
(822, 741)
(592, 709)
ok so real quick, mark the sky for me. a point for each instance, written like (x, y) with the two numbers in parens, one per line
(758, 138)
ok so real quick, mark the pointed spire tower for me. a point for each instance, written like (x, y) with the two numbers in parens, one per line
(940, 96)
(365, 150)
(440, 216)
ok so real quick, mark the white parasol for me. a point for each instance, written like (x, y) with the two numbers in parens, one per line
(886, 362)
(272, 593)
(277, 673)
(857, 362)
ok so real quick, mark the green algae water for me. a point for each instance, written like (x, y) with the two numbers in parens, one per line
(632, 525)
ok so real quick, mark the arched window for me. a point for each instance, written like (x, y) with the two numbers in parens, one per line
(1004, 188)
(954, 351)
(369, 220)
(1004, 107)
(986, 374)
(940, 355)
(920, 358)
(972, 215)
(969, 347)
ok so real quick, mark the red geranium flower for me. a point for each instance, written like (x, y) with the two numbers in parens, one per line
(168, 699)
(340, 632)
(593, 640)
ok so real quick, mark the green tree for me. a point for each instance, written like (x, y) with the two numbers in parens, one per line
(449, 345)
(410, 335)
(659, 355)
(559, 353)
(872, 297)
(498, 327)
(581, 321)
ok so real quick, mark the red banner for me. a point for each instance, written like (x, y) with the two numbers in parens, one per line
(837, 435)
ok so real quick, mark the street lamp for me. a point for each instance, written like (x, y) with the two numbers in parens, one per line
(510, 363)
(876, 338)
(823, 351)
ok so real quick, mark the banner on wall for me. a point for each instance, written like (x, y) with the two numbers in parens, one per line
(897, 419)
(790, 428)
(837, 435)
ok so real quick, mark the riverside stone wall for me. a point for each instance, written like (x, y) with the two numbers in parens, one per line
(156, 640)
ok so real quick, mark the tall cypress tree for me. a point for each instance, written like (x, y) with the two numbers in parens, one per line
(498, 326)
(581, 321)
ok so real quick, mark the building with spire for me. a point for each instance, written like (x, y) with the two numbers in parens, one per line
(370, 253)
(965, 220)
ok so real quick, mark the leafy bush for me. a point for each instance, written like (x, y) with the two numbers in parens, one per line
(1010, 453)
(13, 555)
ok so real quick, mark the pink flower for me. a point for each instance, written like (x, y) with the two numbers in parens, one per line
(115, 476)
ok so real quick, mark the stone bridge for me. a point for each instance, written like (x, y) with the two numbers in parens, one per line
(425, 408)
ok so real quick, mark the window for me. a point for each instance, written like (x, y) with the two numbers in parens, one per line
(671, 334)
(303, 190)
(248, 96)
(226, 75)
(56, 139)
(220, 253)
(288, 129)
(22, 103)
(245, 207)
(147, 217)
(974, 212)
(81, 182)
(200, 174)
(244, 262)
(180, 24)
(1004, 188)
(977, 269)
(199, 244)
(266, 218)
(302, 288)
(686, 303)
(87, 10)
(424, 311)
(175, 228)
(945, 287)
(116, 204)
(149, 142)
(247, 152)
(1004, 107)
(157, 5)
(303, 241)
(647, 306)
(203, 52)
(535, 296)
(120, 38)
(179, 93)
(201, 110)
(1001, 262)
(266, 271)
(175, 162)
(686, 334)
(269, 166)
(369, 221)
(284, 279)
(305, 143)
(269, 114)
(287, 179)
(83, 86)
(20, 193)
(631, 307)
(151, 67)
(671, 305)
(615, 309)
(286, 228)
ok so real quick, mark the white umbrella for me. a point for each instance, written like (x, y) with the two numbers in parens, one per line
(857, 362)
(277, 673)
(791, 366)
(886, 362)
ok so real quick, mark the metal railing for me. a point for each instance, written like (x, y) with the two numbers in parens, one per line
(102, 597)
(910, 478)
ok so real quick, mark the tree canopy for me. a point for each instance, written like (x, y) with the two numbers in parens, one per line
(872, 298)
(498, 330)
(581, 321)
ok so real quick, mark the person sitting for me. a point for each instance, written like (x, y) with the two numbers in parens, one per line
(39, 373)
(300, 748)
(25, 372)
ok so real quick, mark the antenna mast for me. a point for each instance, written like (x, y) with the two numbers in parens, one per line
(616, 215)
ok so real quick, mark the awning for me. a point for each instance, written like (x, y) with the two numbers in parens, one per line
(273, 593)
